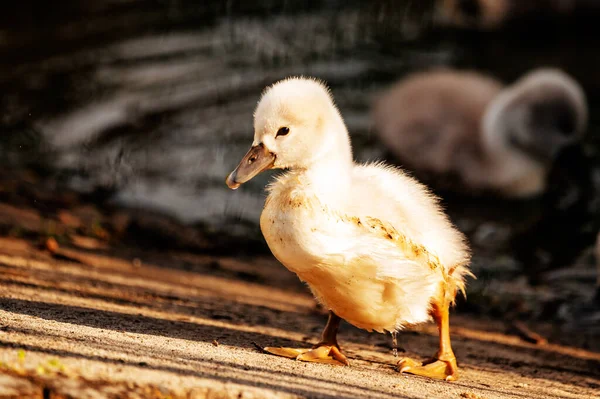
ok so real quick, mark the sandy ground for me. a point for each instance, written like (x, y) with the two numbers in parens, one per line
(99, 323)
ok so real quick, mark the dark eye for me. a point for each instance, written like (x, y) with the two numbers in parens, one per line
(282, 131)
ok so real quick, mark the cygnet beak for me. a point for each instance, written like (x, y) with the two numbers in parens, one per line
(256, 160)
(546, 145)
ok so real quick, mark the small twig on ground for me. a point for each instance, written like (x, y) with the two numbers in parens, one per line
(257, 346)
(527, 335)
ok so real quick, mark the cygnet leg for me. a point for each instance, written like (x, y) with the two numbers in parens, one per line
(443, 364)
(326, 351)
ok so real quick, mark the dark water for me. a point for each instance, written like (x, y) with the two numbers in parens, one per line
(162, 111)
(150, 103)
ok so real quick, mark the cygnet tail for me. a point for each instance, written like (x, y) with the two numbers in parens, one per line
(457, 283)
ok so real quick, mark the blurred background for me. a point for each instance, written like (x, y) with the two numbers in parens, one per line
(120, 120)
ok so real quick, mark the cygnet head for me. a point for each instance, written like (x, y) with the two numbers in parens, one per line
(538, 115)
(296, 126)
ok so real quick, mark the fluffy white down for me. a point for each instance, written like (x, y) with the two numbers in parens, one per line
(353, 269)
(389, 194)
(354, 233)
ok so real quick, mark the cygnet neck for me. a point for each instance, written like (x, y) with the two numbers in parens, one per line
(330, 175)
(495, 129)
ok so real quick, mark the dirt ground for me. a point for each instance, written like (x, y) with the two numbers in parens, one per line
(122, 303)
(95, 322)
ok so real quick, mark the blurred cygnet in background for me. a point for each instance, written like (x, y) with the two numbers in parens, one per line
(466, 128)
(491, 14)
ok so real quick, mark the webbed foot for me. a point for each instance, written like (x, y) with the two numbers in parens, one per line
(435, 368)
(322, 353)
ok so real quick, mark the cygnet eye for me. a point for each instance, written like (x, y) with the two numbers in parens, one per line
(282, 131)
